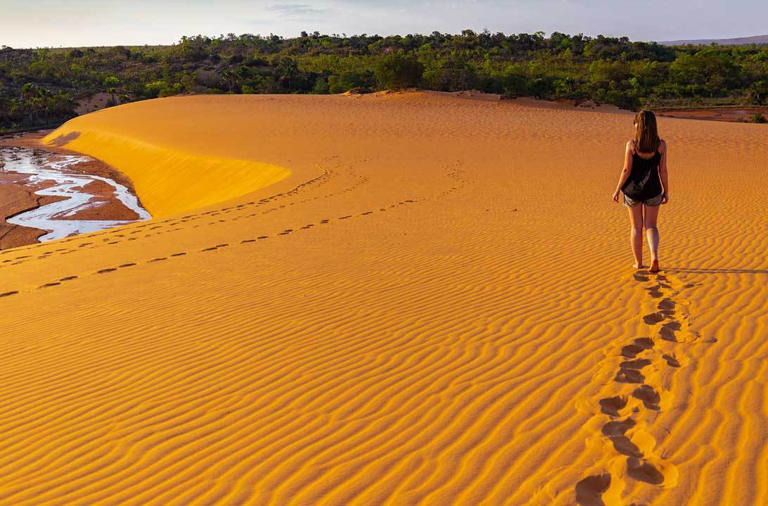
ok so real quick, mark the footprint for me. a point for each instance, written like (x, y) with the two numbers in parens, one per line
(158, 259)
(629, 376)
(631, 350)
(108, 269)
(589, 491)
(671, 360)
(6, 294)
(54, 283)
(653, 318)
(645, 342)
(635, 364)
(615, 432)
(644, 471)
(666, 305)
(618, 428)
(131, 264)
(262, 237)
(612, 405)
(655, 292)
(668, 331)
(68, 278)
(649, 396)
(247, 240)
(180, 253)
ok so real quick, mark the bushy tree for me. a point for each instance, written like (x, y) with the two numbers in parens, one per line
(41, 86)
(396, 71)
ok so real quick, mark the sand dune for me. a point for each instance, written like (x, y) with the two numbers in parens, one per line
(173, 166)
(431, 303)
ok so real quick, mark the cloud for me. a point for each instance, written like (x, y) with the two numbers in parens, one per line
(296, 10)
(109, 22)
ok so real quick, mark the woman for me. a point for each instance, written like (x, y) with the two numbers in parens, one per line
(643, 182)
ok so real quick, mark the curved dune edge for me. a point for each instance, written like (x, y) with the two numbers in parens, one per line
(166, 179)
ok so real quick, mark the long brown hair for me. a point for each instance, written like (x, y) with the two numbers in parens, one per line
(647, 135)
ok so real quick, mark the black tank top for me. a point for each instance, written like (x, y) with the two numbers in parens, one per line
(643, 182)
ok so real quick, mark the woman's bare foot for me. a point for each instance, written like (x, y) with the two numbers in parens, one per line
(638, 266)
(654, 266)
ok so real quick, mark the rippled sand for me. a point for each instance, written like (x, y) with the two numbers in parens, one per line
(391, 299)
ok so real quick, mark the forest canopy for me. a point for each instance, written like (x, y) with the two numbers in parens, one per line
(41, 87)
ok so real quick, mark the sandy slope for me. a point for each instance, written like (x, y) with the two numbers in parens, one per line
(434, 307)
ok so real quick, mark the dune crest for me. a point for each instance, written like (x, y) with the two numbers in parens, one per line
(169, 175)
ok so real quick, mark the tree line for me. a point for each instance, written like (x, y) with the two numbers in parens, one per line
(41, 86)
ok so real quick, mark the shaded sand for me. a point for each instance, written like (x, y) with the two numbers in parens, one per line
(730, 113)
(436, 306)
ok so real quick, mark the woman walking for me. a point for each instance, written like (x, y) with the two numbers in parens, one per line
(643, 182)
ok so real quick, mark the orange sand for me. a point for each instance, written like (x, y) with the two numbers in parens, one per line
(435, 306)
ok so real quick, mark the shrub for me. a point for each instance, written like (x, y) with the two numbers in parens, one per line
(345, 82)
(396, 71)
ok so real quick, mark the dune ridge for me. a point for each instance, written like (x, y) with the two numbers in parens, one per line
(434, 307)
(169, 178)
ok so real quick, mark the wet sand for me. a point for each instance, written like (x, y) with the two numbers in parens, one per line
(17, 194)
(15, 199)
(405, 298)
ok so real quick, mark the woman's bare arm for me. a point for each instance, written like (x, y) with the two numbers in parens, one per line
(663, 173)
(624, 171)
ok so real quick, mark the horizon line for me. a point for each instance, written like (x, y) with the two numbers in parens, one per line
(343, 35)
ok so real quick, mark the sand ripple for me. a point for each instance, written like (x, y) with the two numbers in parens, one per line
(435, 307)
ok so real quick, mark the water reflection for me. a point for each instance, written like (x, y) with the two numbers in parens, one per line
(41, 167)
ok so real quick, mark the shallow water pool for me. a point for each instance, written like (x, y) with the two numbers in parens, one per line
(39, 167)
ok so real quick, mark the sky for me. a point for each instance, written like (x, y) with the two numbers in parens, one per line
(68, 23)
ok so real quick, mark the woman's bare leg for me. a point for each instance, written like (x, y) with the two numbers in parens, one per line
(636, 234)
(652, 234)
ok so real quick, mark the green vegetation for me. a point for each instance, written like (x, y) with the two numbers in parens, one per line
(41, 86)
(757, 118)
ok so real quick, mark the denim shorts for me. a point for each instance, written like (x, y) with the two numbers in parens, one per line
(654, 201)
